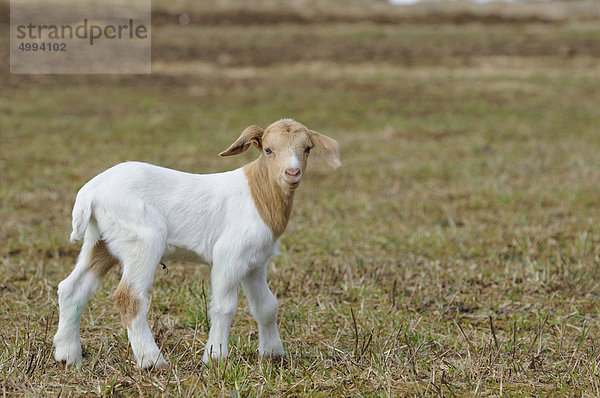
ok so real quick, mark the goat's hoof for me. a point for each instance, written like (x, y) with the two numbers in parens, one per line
(69, 354)
(214, 357)
(273, 357)
(160, 366)
(158, 363)
(214, 352)
(275, 351)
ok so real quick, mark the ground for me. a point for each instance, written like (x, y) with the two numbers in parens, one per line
(455, 252)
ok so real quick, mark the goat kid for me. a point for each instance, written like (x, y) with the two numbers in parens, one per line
(138, 215)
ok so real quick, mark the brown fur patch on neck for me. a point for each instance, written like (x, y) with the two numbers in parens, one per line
(273, 204)
(127, 301)
(101, 260)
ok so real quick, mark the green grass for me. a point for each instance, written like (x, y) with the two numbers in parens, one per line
(455, 252)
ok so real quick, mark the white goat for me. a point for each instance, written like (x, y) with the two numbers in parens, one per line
(138, 215)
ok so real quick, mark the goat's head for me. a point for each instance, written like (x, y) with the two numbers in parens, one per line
(285, 146)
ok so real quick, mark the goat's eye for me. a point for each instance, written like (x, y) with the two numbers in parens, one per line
(307, 150)
(268, 151)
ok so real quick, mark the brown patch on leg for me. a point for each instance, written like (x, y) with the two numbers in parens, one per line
(127, 301)
(101, 260)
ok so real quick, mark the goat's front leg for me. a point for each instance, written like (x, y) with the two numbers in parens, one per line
(263, 306)
(223, 306)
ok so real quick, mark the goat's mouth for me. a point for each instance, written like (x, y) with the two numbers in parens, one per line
(292, 182)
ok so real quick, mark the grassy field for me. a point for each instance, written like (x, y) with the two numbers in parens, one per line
(455, 252)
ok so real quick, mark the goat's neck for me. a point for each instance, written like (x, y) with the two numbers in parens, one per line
(273, 202)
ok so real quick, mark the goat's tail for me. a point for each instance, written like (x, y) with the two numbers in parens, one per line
(82, 212)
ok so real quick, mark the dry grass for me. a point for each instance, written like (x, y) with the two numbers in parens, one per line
(456, 252)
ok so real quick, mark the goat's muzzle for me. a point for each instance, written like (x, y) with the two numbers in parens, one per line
(292, 176)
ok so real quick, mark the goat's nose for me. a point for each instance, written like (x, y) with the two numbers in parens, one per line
(292, 172)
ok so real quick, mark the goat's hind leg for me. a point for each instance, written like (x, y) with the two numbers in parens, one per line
(73, 295)
(131, 298)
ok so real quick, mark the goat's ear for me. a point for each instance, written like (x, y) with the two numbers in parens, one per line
(250, 135)
(327, 147)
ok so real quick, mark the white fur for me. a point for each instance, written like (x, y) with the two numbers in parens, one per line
(147, 214)
(294, 162)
